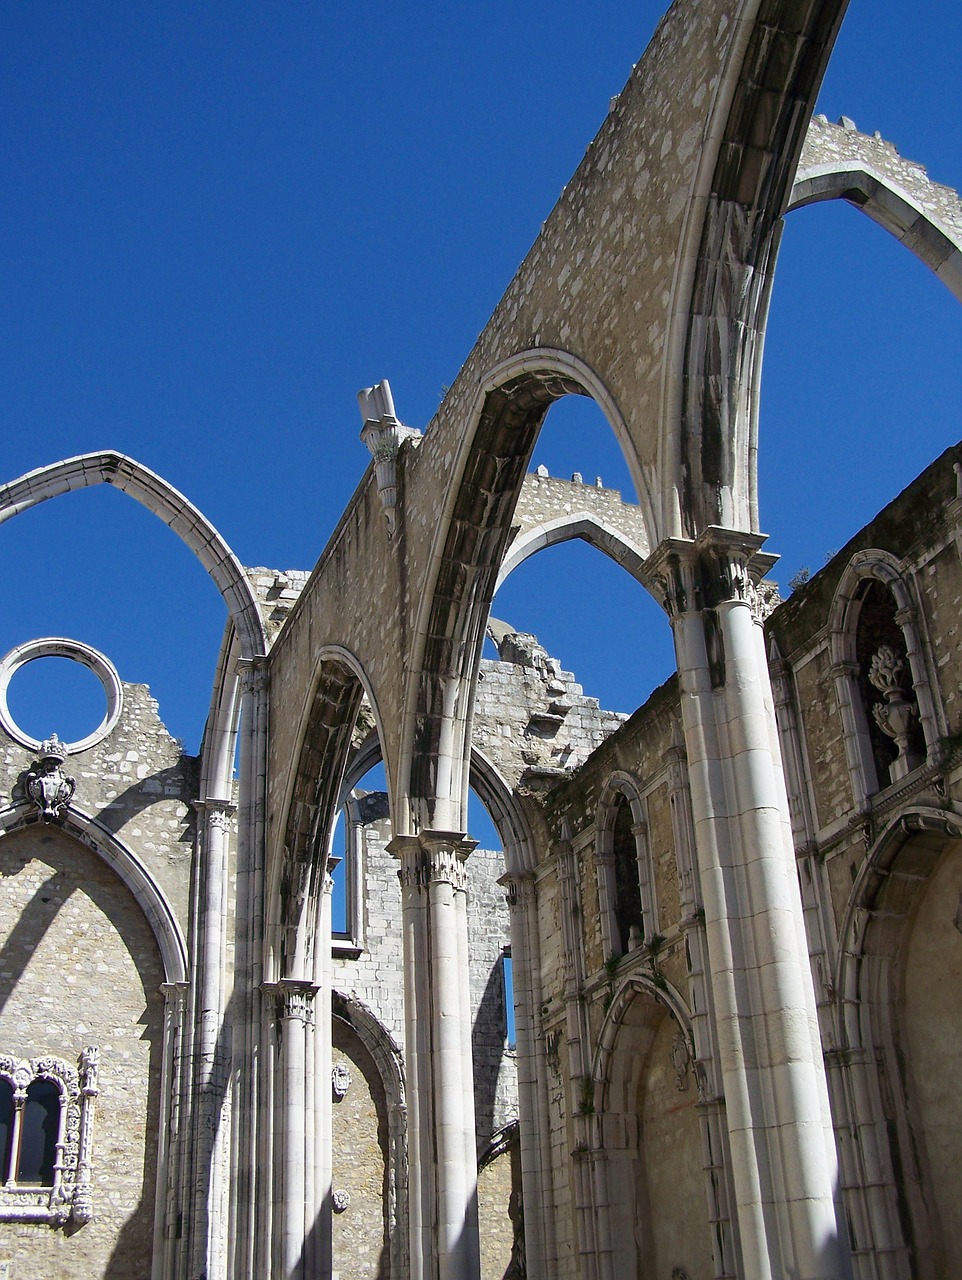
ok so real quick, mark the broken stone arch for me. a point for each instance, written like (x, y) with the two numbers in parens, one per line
(900, 211)
(625, 552)
(163, 501)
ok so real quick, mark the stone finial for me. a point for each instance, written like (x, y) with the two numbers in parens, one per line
(47, 785)
(383, 435)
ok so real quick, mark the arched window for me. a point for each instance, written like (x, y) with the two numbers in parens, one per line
(46, 1112)
(625, 880)
(889, 716)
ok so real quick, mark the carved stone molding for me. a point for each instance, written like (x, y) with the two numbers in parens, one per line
(340, 1200)
(69, 1196)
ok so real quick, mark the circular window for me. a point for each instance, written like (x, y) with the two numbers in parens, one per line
(53, 677)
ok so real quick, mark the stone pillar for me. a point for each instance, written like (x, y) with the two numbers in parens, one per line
(252, 1197)
(320, 1208)
(785, 1168)
(293, 1133)
(532, 1076)
(211, 1058)
(442, 1149)
(170, 1145)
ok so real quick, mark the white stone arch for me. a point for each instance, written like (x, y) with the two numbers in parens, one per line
(872, 563)
(556, 360)
(164, 501)
(905, 213)
(625, 552)
(125, 864)
(622, 787)
(315, 777)
(486, 472)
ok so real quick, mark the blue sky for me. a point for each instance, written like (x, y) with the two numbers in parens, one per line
(221, 220)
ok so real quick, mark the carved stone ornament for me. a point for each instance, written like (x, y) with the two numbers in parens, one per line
(340, 1079)
(47, 785)
(69, 1195)
(681, 1060)
(897, 713)
(340, 1200)
(383, 435)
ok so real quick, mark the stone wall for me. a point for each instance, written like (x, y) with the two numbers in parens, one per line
(78, 967)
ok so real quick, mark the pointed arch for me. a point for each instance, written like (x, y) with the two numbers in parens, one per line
(147, 893)
(164, 501)
(310, 807)
(507, 413)
(590, 528)
(917, 215)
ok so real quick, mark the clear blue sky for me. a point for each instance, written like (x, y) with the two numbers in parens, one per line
(221, 220)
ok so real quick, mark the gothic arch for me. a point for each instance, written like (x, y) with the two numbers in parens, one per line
(901, 211)
(145, 890)
(165, 502)
(620, 789)
(726, 261)
(579, 524)
(329, 719)
(507, 414)
(873, 564)
(889, 1209)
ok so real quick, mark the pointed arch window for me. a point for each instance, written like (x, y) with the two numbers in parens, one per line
(625, 879)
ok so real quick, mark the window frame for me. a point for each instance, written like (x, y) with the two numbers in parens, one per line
(67, 1196)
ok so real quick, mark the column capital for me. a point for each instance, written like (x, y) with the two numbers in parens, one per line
(719, 565)
(253, 674)
(519, 888)
(294, 997)
(432, 857)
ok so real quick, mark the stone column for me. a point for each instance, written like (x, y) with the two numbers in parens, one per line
(295, 1015)
(320, 1207)
(532, 1077)
(442, 1150)
(211, 1059)
(784, 1162)
(170, 1145)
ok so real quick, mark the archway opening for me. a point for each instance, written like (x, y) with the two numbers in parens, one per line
(851, 412)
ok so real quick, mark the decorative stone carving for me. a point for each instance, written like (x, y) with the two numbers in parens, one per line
(897, 713)
(383, 435)
(340, 1200)
(69, 1196)
(340, 1079)
(47, 785)
(431, 858)
(681, 1060)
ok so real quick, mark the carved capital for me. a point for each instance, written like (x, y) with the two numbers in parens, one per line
(383, 436)
(519, 889)
(294, 997)
(218, 815)
(718, 566)
(253, 674)
(432, 857)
